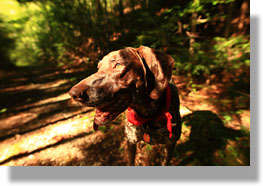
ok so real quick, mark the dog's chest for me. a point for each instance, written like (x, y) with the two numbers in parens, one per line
(156, 130)
(153, 132)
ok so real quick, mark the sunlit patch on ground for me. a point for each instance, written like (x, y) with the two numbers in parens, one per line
(184, 111)
(44, 137)
(61, 97)
(32, 86)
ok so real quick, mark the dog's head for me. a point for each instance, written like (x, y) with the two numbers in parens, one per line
(120, 75)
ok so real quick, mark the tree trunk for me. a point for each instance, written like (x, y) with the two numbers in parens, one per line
(105, 7)
(145, 4)
(120, 8)
(228, 19)
(193, 32)
(132, 5)
(243, 15)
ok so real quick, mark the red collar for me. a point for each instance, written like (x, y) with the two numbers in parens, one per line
(136, 120)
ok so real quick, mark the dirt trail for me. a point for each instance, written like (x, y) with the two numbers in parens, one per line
(41, 125)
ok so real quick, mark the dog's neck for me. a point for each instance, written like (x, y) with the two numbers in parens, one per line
(146, 107)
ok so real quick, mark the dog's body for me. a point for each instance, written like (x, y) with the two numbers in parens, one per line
(157, 130)
(138, 79)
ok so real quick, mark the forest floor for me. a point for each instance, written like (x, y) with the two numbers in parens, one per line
(41, 125)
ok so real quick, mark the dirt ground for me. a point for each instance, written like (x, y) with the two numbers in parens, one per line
(41, 125)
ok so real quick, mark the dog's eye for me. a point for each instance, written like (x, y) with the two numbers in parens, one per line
(117, 65)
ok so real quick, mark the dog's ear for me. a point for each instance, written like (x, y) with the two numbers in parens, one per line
(139, 67)
(160, 67)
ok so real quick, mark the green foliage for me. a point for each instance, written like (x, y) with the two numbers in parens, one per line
(103, 129)
(210, 54)
(227, 118)
(221, 1)
(233, 52)
(3, 110)
(5, 49)
(226, 53)
(45, 31)
(148, 147)
(58, 32)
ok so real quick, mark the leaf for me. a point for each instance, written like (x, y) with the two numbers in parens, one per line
(103, 129)
(3, 110)
(227, 118)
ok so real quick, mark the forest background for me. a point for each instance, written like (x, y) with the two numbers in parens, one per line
(47, 46)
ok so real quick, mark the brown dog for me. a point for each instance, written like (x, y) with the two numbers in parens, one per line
(138, 79)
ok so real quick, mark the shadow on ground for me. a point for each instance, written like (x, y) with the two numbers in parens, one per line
(211, 143)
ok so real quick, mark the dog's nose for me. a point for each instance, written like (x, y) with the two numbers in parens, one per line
(78, 94)
(74, 93)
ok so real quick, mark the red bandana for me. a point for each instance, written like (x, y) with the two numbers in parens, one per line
(136, 120)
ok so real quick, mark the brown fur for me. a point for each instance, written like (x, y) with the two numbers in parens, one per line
(135, 78)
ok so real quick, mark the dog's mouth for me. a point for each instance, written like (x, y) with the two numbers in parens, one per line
(106, 113)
